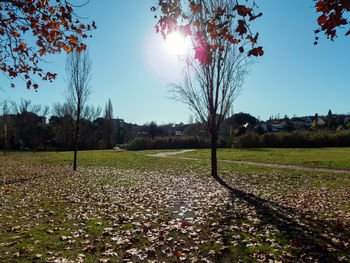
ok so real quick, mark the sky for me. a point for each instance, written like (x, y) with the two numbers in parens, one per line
(132, 66)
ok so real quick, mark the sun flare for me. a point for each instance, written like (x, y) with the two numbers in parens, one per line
(177, 44)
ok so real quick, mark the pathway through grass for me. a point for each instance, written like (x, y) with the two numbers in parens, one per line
(337, 158)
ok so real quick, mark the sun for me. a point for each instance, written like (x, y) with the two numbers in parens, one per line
(177, 44)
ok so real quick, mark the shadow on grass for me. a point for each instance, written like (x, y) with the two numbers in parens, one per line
(310, 240)
(21, 180)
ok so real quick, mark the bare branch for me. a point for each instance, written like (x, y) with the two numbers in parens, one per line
(78, 68)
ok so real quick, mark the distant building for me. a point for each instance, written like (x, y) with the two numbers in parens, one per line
(346, 119)
(118, 123)
(276, 127)
(299, 125)
(178, 134)
(307, 122)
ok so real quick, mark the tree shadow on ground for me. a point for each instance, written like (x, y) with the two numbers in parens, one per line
(308, 239)
(20, 180)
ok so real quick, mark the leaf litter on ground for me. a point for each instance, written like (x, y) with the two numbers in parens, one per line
(49, 213)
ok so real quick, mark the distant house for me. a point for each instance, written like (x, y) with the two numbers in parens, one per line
(277, 127)
(307, 122)
(178, 134)
(320, 122)
(346, 119)
(264, 126)
(24, 117)
(119, 123)
(273, 127)
(299, 125)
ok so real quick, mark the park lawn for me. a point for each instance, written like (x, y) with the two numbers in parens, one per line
(314, 157)
(122, 206)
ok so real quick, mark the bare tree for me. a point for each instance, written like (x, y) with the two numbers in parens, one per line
(45, 111)
(78, 69)
(211, 88)
(5, 125)
(61, 110)
(25, 106)
(109, 125)
(91, 112)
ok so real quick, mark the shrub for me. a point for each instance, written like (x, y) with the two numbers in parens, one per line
(294, 139)
(248, 140)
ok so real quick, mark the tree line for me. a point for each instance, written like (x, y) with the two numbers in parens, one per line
(28, 126)
(25, 126)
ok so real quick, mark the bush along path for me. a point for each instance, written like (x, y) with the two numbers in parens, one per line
(98, 214)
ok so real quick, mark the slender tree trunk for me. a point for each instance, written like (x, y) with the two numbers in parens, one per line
(214, 166)
(75, 147)
(214, 161)
(76, 138)
(6, 139)
(213, 142)
(75, 159)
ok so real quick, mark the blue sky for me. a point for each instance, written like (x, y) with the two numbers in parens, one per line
(132, 68)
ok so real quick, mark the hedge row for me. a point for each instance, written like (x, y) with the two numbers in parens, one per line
(249, 140)
(168, 143)
(293, 139)
(188, 142)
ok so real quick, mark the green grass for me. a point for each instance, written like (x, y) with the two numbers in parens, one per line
(115, 159)
(143, 162)
(313, 157)
(309, 157)
(41, 200)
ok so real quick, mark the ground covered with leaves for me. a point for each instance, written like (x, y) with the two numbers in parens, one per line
(167, 210)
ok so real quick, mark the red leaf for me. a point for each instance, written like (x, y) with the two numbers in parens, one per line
(184, 224)
(256, 52)
(242, 10)
(241, 29)
(322, 20)
(29, 83)
(178, 254)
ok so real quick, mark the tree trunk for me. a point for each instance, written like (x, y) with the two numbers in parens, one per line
(76, 138)
(214, 162)
(214, 166)
(75, 147)
(75, 158)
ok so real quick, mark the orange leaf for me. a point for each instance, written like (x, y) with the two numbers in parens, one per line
(178, 254)
(195, 8)
(196, 23)
(214, 47)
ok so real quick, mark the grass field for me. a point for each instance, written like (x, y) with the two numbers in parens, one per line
(129, 207)
(314, 157)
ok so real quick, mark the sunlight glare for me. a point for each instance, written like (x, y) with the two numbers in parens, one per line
(177, 44)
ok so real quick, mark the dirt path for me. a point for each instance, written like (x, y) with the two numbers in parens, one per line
(169, 154)
(284, 166)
